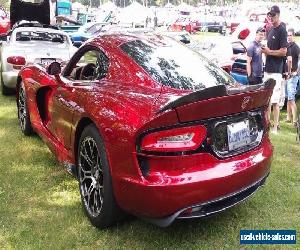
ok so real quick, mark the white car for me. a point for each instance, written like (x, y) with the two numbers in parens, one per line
(31, 42)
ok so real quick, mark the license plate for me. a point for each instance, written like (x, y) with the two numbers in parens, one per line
(238, 135)
(47, 61)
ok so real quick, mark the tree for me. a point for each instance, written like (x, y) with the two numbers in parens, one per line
(95, 3)
(5, 4)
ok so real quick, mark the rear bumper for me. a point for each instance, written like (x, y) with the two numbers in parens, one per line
(210, 207)
(180, 182)
(10, 78)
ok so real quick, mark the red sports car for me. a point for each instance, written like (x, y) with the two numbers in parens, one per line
(149, 127)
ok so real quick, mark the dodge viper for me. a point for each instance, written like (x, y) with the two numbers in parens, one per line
(149, 127)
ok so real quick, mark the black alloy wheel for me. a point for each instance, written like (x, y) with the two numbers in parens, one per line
(95, 184)
(23, 114)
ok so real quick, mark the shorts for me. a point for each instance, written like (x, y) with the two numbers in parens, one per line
(278, 91)
(291, 87)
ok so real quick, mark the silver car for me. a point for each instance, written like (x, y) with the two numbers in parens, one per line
(31, 44)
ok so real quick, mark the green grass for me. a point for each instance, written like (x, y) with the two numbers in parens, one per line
(40, 204)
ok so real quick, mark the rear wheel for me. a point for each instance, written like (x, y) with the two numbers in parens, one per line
(95, 182)
(4, 89)
(23, 114)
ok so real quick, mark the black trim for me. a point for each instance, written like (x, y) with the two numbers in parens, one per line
(211, 207)
(216, 91)
(200, 95)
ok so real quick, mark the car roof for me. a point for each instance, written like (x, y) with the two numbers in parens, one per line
(117, 39)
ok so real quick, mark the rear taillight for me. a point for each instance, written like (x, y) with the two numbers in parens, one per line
(174, 140)
(16, 61)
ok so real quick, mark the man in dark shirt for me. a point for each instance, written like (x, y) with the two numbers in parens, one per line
(293, 76)
(275, 52)
(254, 58)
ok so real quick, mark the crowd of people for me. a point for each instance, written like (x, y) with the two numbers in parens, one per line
(281, 63)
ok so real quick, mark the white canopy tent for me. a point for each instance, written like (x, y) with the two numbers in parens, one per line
(78, 6)
(105, 10)
(134, 13)
(169, 6)
(108, 6)
(185, 7)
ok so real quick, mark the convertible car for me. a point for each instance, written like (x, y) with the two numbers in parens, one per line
(20, 47)
(31, 40)
(147, 133)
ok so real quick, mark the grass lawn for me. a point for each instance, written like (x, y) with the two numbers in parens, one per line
(40, 204)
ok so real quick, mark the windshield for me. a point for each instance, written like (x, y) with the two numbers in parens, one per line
(25, 36)
(96, 27)
(175, 65)
(84, 28)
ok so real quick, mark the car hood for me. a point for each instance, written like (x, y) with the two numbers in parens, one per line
(20, 10)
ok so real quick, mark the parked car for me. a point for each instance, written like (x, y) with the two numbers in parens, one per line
(85, 32)
(145, 132)
(213, 24)
(31, 43)
(31, 40)
(239, 70)
(185, 24)
(223, 51)
(246, 32)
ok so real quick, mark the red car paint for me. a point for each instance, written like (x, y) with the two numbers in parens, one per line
(4, 23)
(189, 26)
(126, 106)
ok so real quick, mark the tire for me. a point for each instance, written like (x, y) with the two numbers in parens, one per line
(95, 183)
(4, 89)
(23, 114)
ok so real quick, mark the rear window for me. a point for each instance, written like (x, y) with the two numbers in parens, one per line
(40, 36)
(175, 65)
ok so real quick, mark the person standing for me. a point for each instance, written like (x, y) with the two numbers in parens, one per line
(155, 21)
(254, 59)
(293, 76)
(275, 52)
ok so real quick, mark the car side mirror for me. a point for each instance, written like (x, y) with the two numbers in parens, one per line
(54, 69)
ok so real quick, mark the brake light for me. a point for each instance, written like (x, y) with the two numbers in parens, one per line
(16, 60)
(175, 140)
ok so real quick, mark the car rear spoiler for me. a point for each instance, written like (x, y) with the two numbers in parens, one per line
(216, 91)
(20, 10)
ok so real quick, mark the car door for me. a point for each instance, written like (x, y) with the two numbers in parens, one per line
(76, 81)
